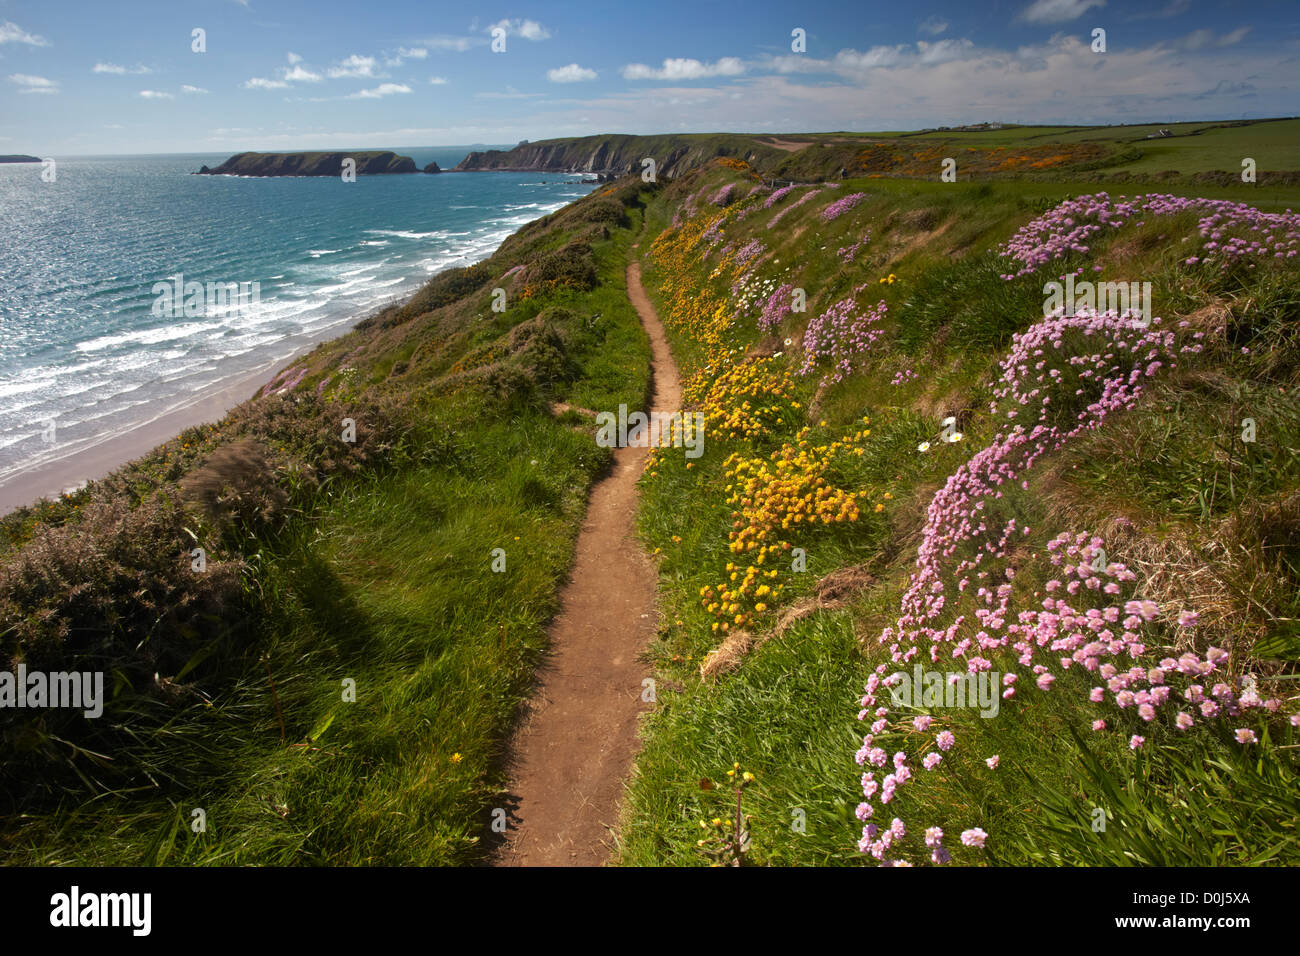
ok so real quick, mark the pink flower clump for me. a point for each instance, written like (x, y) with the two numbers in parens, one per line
(1225, 225)
(840, 206)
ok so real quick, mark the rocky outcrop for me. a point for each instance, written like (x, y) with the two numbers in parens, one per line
(20, 159)
(617, 155)
(372, 163)
(432, 168)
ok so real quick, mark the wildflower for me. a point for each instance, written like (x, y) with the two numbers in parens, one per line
(1245, 736)
(974, 837)
(992, 762)
(1135, 742)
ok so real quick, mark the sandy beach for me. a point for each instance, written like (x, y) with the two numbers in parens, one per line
(52, 478)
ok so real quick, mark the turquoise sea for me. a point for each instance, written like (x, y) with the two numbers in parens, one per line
(80, 343)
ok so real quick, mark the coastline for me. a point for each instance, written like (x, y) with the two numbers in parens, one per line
(100, 460)
(49, 478)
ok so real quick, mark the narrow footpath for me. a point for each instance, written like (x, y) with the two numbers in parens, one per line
(575, 745)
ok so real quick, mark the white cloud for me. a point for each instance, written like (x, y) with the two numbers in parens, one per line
(258, 83)
(1236, 36)
(12, 33)
(683, 68)
(192, 89)
(300, 74)
(1171, 9)
(438, 80)
(354, 66)
(570, 74)
(383, 89)
(942, 51)
(406, 53)
(510, 94)
(1199, 39)
(34, 84)
(852, 62)
(933, 25)
(294, 58)
(455, 44)
(119, 70)
(156, 95)
(528, 29)
(1057, 11)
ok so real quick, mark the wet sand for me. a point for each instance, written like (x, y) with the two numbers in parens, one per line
(52, 478)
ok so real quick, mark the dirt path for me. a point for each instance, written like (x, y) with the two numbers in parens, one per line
(575, 746)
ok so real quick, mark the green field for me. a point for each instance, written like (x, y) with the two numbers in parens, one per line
(338, 686)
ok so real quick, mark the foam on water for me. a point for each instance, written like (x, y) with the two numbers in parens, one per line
(79, 343)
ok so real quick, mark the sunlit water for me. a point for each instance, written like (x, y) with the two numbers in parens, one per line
(81, 345)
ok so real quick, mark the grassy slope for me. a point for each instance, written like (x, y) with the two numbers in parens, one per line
(788, 713)
(1195, 148)
(383, 578)
(380, 573)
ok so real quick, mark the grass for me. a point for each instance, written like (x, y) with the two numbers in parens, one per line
(360, 717)
(378, 580)
(787, 713)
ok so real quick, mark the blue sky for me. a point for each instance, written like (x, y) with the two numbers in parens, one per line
(98, 76)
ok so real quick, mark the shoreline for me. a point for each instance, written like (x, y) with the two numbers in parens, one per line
(50, 479)
(103, 458)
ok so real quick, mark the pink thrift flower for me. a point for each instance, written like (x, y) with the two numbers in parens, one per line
(974, 837)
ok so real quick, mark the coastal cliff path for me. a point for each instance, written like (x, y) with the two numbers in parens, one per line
(575, 745)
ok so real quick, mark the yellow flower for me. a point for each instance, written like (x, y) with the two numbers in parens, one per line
(455, 758)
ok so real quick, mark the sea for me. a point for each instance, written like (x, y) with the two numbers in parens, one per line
(85, 354)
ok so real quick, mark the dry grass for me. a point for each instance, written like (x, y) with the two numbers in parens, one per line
(726, 657)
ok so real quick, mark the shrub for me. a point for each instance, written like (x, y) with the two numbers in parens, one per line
(114, 591)
(540, 349)
(442, 289)
(572, 265)
(236, 483)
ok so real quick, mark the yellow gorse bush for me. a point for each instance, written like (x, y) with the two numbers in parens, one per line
(746, 400)
(773, 496)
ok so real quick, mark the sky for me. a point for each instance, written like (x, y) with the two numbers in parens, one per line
(86, 77)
